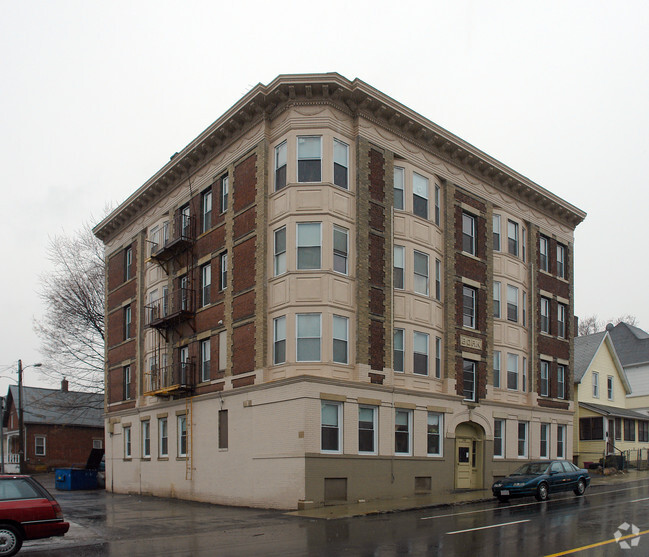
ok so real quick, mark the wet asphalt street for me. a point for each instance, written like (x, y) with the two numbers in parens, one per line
(105, 524)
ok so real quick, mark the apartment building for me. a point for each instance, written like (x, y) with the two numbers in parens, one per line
(327, 297)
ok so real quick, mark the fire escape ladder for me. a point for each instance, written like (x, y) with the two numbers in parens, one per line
(189, 461)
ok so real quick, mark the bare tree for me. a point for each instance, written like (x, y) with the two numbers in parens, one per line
(592, 324)
(72, 328)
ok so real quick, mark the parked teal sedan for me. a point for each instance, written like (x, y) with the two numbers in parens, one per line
(542, 478)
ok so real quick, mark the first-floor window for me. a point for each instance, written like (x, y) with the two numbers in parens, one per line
(398, 349)
(561, 441)
(591, 429)
(367, 429)
(308, 337)
(499, 438)
(279, 340)
(163, 439)
(545, 378)
(497, 369)
(435, 428)
(420, 364)
(512, 371)
(469, 369)
(127, 441)
(39, 449)
(182, 435)
(402, 427)
(331, 427)
(522, 439)
(643, 431)
(97, 443)
(146, 439)
(545, 437)
(629, 429)
(340, 344)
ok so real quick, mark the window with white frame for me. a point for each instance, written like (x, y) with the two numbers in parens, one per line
(206, 283)
(340, 336)
(561, 381)
(128, 261)
(524, 374)
(421, 273)
(437, 205)
(127, 441)
(398, 349)
(522, 439)
(468, 233)
(523, 242)
(279, 252)
(438, 357)
(341, 249)
(496, 299)
(206, 208)
(512, 371)
(223, 266)
(39, 445)
(543, 253)
(402, 431)
(469, 308)
(225, 187)
(545, 440)
(341, 164)
(185, 222)
(205, 360)
(438, 279)
(545, 378)
(595, 384)
(512, 237)
(420, 350)
(419, 195)
(126, 377)
(497, 369)
(309, 159)
(146, 438)
(609, 387)
(561, 439)
(399, 184)
(561, 320)
(182, 435)
(127, 322)
(434, 433)
(545, 315)
(469, 380)
(524, 305)
(512, 303)
(499, 438)
(367, 429)
(309, 328)
(163, 438)
(496, 227)
(279, 340)
(331, 427)
(399, 267)
(97, 443)
(561, 261)
(309, 245)
(280, 165)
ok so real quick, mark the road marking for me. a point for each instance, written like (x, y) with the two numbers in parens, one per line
(569, 551)
(638, 500)
(487, 527)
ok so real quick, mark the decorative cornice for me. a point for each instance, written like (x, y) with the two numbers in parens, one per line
(355, 98)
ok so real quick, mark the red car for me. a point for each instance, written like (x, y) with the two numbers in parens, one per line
(27, 512)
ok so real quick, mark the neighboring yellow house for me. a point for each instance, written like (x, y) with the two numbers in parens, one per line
(604, 425)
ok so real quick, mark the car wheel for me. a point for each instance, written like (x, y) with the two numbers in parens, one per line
(11, 540)
(581, 487)
(542, 492)
(503, 499)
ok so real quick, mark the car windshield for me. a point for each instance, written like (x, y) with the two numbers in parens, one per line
(531, 468)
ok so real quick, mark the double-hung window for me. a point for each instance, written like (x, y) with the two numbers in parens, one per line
(279, 255)
(496, 227)
(402, 431)
(127, 322)
(468, 233)
(437, 206)
(146, 438)
(543, 253)
(561, 381)
(398, 349)
(499, 438)
(522, 439)
(545, 315)
(205, 360)
(309, 337)
(206, 204)
(341, 249)
(469, 296)
(420, 349)
(279, 340)
(629, 429)
(340, 342)
(206, 283)
(595, 384)
(419, 195)
(438, 279)
(561, 261)
(561, 320)
(127, 382)
(330, 428)
(223, 266)
(438, 357)
(421, 273)
(512, 237)
(128, 261)
(512, 303)
(434, 433)
(341, 164)
(399, 184)
(497, 369)
(399, 267)
(185, 222)
(545, 438)
(512, 372)
(39, 445)
(496, 299)
(309, 159)
(309, 242)
(280, 166)
(182, 435)
(609, 387)
(561, 446)
(225, 187)
(469, 380)
(163, 438)
(545, 378)
(127, 442)
(524, 306)
(367, 429)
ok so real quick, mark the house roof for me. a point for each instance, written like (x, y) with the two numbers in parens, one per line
(54, 406)
(587, 347)
(613, 411)
(631, 343)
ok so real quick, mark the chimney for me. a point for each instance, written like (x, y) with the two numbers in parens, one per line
(64, 385)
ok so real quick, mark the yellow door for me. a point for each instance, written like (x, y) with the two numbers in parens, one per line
(463, 471)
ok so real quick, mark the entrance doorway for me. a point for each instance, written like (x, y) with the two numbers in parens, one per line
(469, 456)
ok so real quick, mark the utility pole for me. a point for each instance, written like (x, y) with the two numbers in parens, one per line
(21, 432)
(2, 435)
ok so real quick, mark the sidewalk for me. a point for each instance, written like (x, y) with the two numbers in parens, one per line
(444, 499)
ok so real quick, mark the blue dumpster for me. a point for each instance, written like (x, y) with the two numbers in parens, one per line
(75, 478)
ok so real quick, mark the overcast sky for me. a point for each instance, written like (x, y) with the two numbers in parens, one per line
(96, 96)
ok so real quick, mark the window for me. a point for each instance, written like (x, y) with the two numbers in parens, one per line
(496, 226)
(496, 299)
(522, 439)
(591, 429)
(39, 445)
(308, 337)
(420, 349)
(561, 261)
(399, 267)
(223, 266)
(367, 429)
(280, 166)
(595, 384)
(497, 369)
(468, 233)
(421, 273)
(419, 195)
(545, 315)
(223, 429)
(163, 438)
(225, 187)
(402, 430)
(279, 340)
(438, 279)
(146, 439)
(512, 303)
(341, 242)
(206, 205)
(543, 253)
(127, 382)
(643, 431)
(97, 443)
(184, 293)
(127, 441)
(223, 350)
(279, 256)
(524, 241)
(128, 261)
(438, 357)
(545, 378)
(206, 282)
(437, 205)
(524, 374)
(499, 438)
(399, 179)
(127, 322)
(609, 387)
(561, 320)
(469, 369)
(341, 164)
(309, 159)
(561, 381)
(469, 307)
(182, 435)
(434, 434)
(185, 222)
(524, 322)
(309, 241)
(331, 418)
(629, 429)
(205, 360)
(545, 437)
(512, 237)
(618, 429)
(398, 350)
(340, 344)
(561, 436)
(512, 371)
